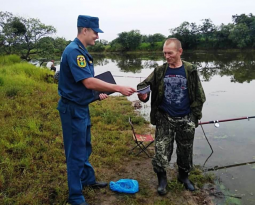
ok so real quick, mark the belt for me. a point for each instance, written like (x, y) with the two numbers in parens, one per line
(175, 118)
(178, 118)
(67, 101)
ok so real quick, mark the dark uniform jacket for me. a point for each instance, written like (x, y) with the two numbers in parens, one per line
(156, 82)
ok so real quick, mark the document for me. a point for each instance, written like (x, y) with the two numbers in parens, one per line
(107, 77)
(145, 90)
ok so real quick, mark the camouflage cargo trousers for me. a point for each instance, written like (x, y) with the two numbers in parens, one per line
(167, 129)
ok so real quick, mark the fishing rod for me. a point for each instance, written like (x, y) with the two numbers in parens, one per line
(216, 122)
(228, 166)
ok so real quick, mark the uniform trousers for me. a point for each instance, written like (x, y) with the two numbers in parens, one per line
(76, 125)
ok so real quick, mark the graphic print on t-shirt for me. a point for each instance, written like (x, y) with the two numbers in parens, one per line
(175, 89)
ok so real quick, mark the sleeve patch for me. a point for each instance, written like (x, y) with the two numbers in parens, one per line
(81, 62)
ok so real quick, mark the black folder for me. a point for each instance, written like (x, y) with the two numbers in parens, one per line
(107, 77)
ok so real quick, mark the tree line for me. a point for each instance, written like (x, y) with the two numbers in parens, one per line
(27, 37)
(30, 37)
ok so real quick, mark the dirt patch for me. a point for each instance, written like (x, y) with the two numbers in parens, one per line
(141, 170)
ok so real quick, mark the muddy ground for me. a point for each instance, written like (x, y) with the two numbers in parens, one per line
(140, 168)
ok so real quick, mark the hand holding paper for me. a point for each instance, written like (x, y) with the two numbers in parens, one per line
(142, 93)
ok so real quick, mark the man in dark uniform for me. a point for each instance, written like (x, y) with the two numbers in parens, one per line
(76, 85)
(176, 105)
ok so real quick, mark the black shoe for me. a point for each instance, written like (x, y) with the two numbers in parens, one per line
(183, 178)
(162, 183)
(98, 185)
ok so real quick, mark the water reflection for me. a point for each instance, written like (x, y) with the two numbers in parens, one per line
(239, 71)
(239, 66)
(129, 62)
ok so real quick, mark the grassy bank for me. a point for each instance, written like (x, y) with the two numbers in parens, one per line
(32, 161)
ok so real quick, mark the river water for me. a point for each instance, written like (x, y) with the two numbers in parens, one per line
(228, 80)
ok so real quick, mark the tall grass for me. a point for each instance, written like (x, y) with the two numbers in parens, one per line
(29, 133)
(11, 59)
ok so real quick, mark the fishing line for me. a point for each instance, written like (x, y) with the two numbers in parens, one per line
(209, 145)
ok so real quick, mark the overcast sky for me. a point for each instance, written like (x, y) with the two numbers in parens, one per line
(116, 16)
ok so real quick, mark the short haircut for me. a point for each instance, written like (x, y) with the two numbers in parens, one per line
(177, 43)
(79, 29)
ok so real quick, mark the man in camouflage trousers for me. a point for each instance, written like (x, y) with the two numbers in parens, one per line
(176, 105)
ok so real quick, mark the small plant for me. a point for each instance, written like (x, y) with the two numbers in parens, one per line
(197, 177)
(175, 186)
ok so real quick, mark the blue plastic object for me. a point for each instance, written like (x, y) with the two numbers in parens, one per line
(129, 186)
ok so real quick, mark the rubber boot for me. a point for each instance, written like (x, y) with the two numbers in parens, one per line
(183, 178)
(162, 183)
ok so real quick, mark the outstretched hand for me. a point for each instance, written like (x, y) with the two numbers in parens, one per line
(127, 91)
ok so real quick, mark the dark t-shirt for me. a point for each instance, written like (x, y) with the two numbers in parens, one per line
(176, 97)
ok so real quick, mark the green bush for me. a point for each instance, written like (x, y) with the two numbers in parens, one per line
(115, 47)
(144, 46)
(96, 48)
(157, 46)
